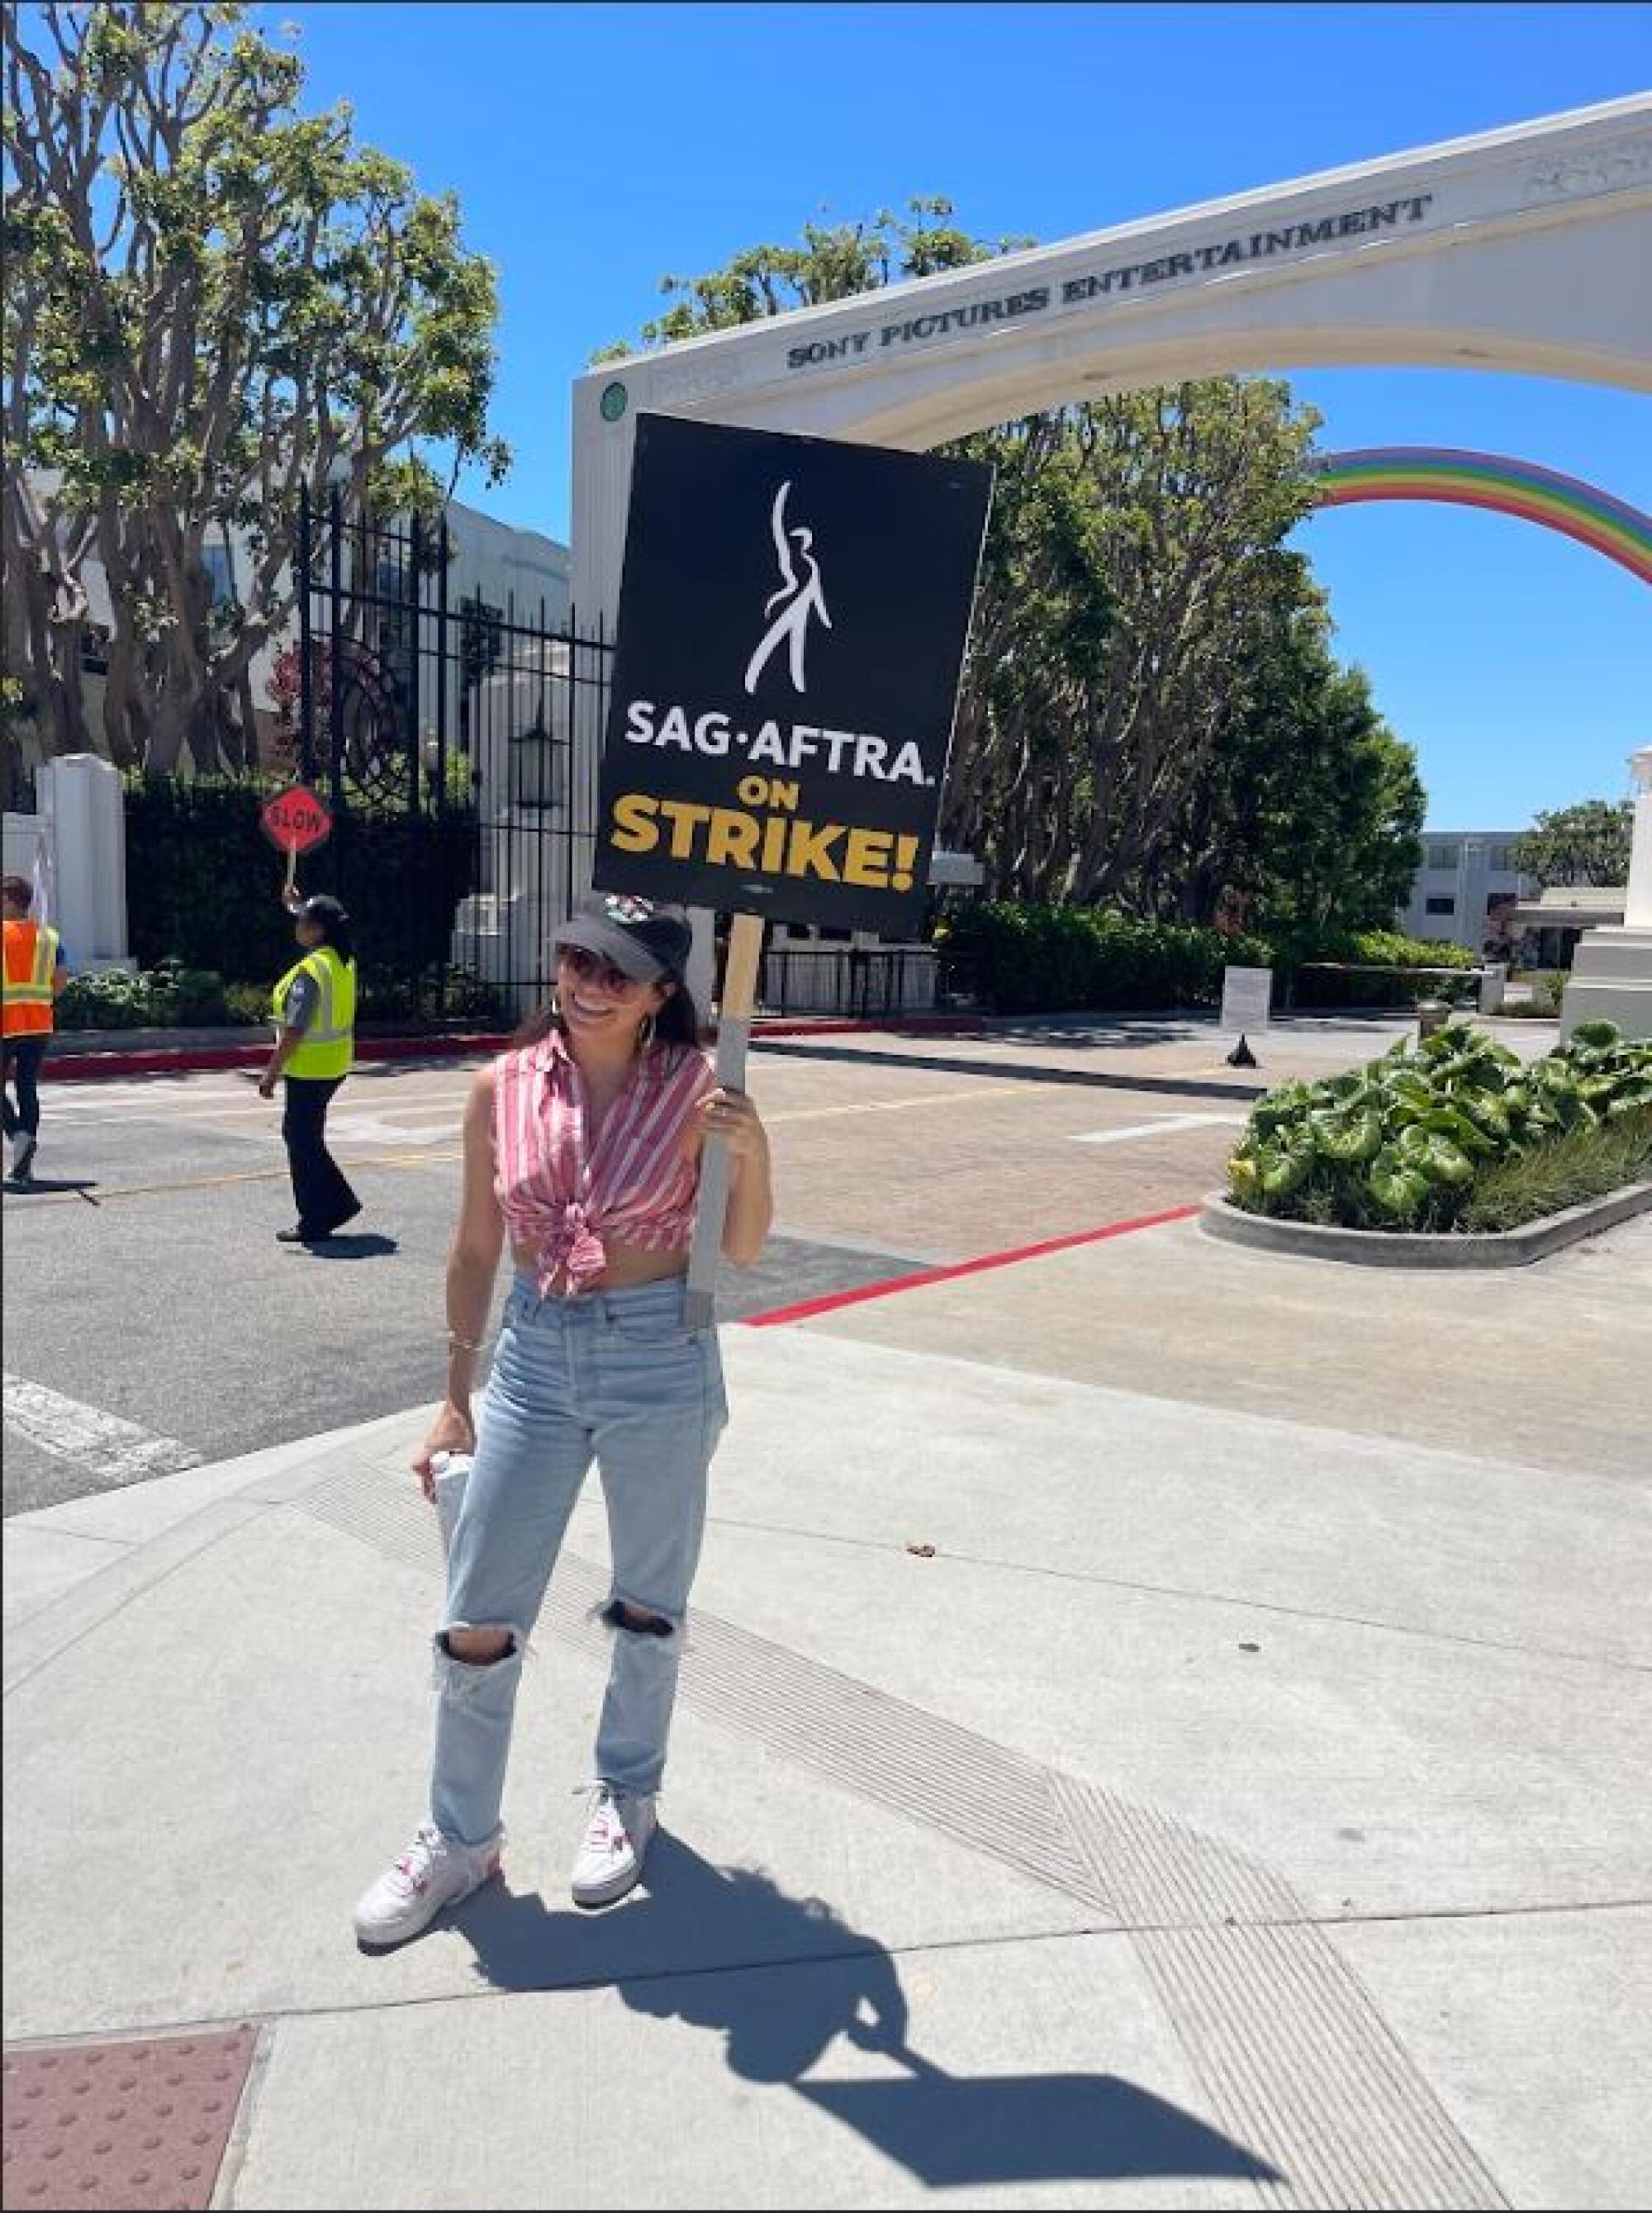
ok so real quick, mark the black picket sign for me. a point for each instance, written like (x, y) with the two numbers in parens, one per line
(792, 622)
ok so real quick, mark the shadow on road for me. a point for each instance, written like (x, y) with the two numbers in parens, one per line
(42, 1186)
(1178, 1087)
(781, 1978)
(368, 1246)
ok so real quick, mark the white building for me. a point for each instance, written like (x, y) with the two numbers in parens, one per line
(1466, 888)
(514, 575)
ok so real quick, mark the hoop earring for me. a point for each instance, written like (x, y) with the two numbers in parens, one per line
(556, 1004)
(645, 1034)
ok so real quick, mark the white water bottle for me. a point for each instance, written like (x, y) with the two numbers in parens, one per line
(451, 1472)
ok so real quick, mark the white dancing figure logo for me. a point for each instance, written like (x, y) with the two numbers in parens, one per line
(799, 597)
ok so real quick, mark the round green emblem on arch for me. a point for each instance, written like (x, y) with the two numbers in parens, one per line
(613, 403)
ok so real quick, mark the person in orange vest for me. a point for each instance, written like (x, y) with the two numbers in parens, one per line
(36, 970)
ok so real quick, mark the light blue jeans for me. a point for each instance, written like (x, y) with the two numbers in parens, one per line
(614, 1376)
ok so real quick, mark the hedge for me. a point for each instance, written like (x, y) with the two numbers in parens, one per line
(170, 996)
(1367, 948)
(203, 885)
(1026, 959)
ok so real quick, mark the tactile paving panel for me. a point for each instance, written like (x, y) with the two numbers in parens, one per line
(124, 2127)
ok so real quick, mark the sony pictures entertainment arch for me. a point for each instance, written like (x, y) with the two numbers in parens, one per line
(1527, 249)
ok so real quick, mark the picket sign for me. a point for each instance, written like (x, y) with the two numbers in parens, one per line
(295, 821)
(793, 614)
(1246, 999)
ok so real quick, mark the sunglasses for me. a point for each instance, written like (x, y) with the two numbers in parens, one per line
(592, 968)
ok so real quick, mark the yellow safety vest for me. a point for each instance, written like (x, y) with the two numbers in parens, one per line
(329, 1044)
(29, 967)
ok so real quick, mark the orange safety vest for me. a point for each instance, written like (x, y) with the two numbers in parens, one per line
(31, 955)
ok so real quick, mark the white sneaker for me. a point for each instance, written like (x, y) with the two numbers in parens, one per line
(617, 1832)
(23, 1150)
(436, 1870)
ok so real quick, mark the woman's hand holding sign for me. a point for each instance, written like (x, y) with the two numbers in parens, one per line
(730, 1116)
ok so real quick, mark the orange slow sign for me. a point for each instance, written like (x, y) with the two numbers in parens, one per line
(295, 820)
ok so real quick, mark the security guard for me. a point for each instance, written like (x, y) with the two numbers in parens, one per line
(35, 970)
(313, 1010)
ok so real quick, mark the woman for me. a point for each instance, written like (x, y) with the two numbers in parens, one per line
(313, 1009)
(584, 1146)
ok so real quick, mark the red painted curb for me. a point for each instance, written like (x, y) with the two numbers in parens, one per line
(807, 1308)
(183, 1060)
(780, 1026)
(163, 1060)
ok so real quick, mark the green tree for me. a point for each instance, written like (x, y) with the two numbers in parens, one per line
(1587, 843)
(1150, 715)
(834, 262)
(212, 304)
(481, 643)
(1133, 541)
(1308, 822)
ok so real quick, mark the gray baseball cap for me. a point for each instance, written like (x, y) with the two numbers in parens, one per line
(643, 940)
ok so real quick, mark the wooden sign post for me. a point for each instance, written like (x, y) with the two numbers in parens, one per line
(735, 1011)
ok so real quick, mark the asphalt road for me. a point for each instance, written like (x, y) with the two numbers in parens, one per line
(144, 1286)
(151, 1319)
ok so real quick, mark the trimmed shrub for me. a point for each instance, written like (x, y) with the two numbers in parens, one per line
(111, 1000)
(163, 997)
(1367, 948)
(191, 998)
(449, 994)
(204, 882)
(247, 1002)
(1028, 959)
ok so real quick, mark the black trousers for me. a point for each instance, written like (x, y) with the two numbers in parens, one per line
(324, 1197)
(23, 1056)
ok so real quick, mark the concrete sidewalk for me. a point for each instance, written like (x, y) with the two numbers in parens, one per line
(1233, 1810)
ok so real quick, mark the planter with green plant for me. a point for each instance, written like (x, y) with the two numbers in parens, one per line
(1452, 1134)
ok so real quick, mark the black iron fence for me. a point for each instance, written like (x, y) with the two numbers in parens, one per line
(454, 714)
(865, 982)
(462, 734)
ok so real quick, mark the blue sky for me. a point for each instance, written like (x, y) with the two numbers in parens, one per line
(595, 148)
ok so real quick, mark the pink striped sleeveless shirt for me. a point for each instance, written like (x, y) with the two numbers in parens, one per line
(560, 1195)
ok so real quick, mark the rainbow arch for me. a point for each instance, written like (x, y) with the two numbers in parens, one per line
(1443, 473)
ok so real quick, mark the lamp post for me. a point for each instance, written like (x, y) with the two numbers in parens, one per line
(539, 780)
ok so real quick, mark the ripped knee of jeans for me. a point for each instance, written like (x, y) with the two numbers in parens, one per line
(618, 1611)
(501, 1633)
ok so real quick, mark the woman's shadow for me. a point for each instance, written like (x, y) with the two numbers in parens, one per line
(780, 1979)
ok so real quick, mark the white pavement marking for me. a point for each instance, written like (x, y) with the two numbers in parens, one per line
(384, 1130)
(94, 1100)
(1165, 1123)
(889, 1106)
(371, 1127)
(113, 1451)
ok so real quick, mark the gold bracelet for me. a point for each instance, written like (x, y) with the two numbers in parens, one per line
(465, 1344)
